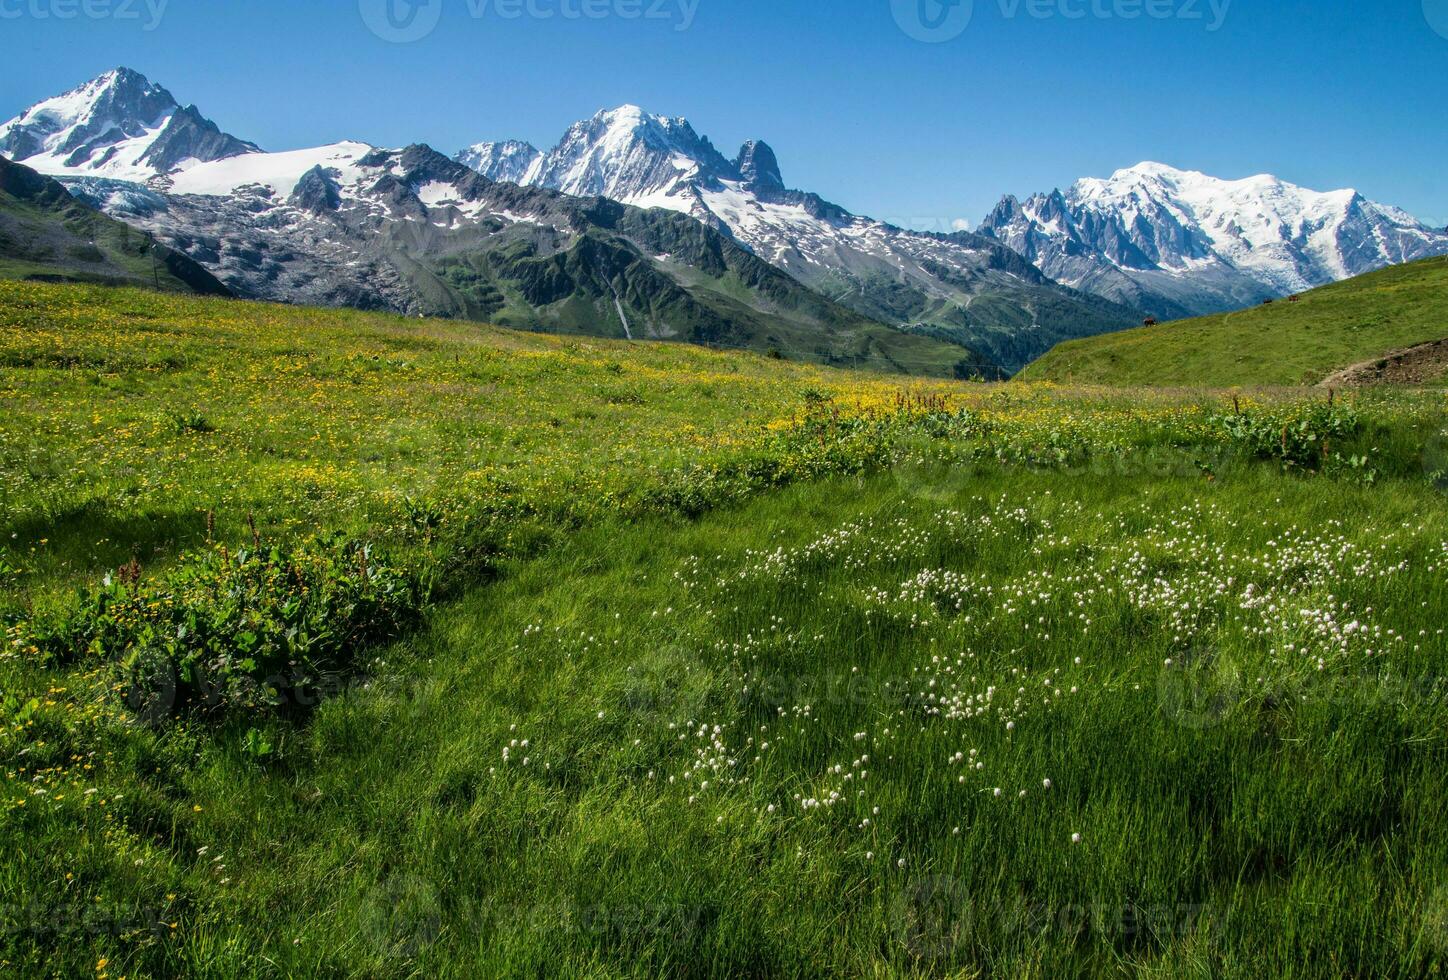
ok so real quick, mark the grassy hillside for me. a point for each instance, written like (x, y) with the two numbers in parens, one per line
(433, 649)
(47, 235)
(1329, 329)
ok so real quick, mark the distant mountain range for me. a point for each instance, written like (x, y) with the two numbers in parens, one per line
(962, 287)
(1179, 243)
(635, 225)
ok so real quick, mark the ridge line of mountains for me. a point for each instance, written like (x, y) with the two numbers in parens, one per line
(634, 225)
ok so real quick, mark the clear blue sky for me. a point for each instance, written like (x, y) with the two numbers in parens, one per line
(1326, 93)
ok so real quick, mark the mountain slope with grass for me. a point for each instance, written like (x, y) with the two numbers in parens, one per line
(1347, 327)
(46, 234)
(410, 231)
(127, 415)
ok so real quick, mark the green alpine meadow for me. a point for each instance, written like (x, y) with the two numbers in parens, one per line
(343, 644)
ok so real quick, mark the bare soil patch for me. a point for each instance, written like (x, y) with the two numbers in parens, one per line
(1420, 364)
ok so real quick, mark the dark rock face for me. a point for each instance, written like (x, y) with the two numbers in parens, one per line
(759, 168)
(317, 192)
(128, 107)
(190, 136)
(25, 184)
(121, 105)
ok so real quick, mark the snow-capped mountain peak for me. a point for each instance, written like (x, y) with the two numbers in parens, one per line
(1157, 180)
(119, 125)
(120, 96)
(631, 155)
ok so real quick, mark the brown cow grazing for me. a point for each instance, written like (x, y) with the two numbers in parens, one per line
(1294, 299)
(1149, 322)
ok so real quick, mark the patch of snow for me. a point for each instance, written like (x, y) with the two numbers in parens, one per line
(278, 171)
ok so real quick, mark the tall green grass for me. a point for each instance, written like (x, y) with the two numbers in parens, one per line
(1240, 812)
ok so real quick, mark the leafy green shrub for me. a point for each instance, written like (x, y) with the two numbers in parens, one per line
(1293, 437)
(191, 423)
(257, 628)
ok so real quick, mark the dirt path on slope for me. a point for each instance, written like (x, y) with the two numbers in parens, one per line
(1421, 364)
